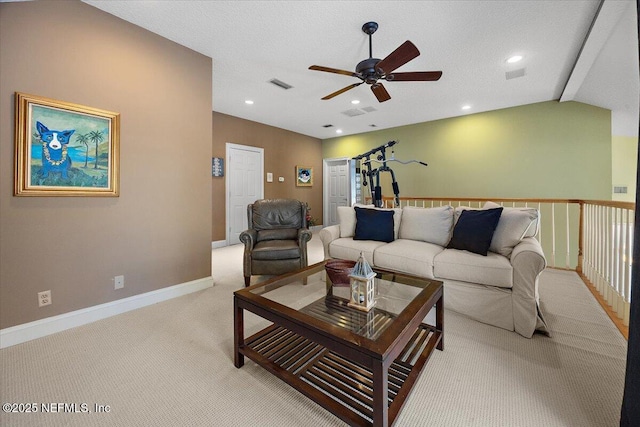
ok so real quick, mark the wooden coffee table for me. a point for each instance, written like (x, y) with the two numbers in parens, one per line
(359, 365)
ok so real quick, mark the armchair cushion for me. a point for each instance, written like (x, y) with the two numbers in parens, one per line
(277, 214)
(278, 234)
(276, 249)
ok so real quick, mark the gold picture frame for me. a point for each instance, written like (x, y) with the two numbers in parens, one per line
(304, 176)
(65, 149)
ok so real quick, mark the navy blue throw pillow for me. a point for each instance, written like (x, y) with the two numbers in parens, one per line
(474, 230)
(372, 224)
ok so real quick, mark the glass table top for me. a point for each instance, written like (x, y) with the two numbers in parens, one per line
(393, 294)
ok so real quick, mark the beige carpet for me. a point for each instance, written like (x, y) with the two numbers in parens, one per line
(171, 364)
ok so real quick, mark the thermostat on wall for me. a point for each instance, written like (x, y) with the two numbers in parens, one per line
(281, 178)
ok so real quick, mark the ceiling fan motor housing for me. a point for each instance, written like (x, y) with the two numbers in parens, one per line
(367, 70)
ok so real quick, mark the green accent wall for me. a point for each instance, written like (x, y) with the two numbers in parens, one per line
(624, 162)
(542, 150)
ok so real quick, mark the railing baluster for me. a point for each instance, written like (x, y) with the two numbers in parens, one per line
(553, 235)
(568, 258)
(619, 268)
(629, 250)
(602, 249)
(539, 224)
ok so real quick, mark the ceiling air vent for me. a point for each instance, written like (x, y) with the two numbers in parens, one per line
(514, 74)
(369, 109)
(353, 112)
(280, 83)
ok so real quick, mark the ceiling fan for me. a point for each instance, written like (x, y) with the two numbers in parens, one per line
(373, 69)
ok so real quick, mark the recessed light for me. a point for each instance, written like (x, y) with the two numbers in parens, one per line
(338, 130)
(249, 102)
(355, 101)
(514, 59)
(466, 107)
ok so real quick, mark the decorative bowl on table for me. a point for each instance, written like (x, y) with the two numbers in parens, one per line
(339, 270)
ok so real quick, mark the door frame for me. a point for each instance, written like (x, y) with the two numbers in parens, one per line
(325, 183)
(232, 146)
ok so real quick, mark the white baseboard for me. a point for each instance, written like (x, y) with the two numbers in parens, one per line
(218, 244)
(43, 327)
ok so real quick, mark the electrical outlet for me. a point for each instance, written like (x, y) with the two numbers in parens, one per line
(44, 298)
(118, 282)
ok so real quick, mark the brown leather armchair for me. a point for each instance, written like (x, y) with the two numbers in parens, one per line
(276, 241)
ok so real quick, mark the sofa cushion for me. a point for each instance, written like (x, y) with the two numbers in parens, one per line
(457, 211)
(492, 270)
(474, 230)
(432, 225)
(347, 248)
(408, 256)
(513, 226)
(531, 231)
(373, 224)
(347, 220)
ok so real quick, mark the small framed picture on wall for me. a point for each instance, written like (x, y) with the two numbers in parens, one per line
(217, 166)
(304, 176)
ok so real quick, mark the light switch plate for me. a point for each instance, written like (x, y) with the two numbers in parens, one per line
(269, 177)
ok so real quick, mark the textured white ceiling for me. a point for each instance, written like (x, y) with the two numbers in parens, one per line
(252, 42)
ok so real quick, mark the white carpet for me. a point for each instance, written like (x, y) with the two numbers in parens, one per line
(171, 364)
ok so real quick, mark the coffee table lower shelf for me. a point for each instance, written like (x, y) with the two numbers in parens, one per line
(341, 386)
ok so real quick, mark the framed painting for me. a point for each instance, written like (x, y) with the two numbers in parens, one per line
(304, 176)
(64, 149)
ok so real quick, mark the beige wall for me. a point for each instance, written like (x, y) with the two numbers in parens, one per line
(157, 233)
(624, 162)
(283, 150)
(543, 150)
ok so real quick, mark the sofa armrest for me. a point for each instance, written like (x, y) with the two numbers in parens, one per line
(528, 261)
(328, 235)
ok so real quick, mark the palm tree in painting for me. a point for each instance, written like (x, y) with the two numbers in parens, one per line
(84, 139)
(96, 137)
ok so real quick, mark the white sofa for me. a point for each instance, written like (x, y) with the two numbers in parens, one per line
(499, 289)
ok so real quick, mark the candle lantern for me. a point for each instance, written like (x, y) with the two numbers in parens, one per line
(362, 281)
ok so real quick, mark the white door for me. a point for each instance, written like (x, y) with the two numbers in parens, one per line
(336, 188)
(244, 186)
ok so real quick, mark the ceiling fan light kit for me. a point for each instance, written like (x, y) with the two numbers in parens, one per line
(373, 69)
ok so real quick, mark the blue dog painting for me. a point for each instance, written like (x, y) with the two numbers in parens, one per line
(54, 150)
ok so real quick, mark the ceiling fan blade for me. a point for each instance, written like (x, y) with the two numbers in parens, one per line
(333, 70)
(417, 76)
(344, 89)
(403, 54)
(380, 92)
